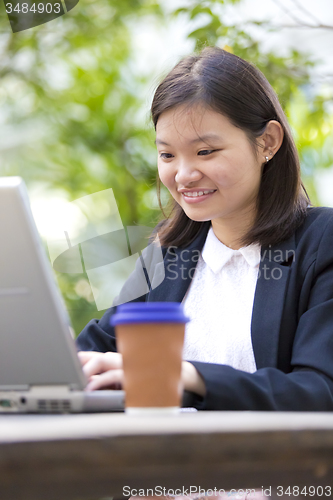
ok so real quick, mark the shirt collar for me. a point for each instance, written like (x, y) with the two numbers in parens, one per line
(216, 254)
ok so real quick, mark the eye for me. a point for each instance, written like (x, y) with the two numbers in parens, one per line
(206, 152)
(166, 156)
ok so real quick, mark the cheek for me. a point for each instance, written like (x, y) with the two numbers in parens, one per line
(233, 172)
(165, 175)
(225, 175)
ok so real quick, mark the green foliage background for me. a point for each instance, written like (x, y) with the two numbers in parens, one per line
(73, 116)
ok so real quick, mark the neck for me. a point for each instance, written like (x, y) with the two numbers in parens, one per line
(230, 230)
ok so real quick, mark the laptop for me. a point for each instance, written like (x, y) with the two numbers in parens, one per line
(40, 371)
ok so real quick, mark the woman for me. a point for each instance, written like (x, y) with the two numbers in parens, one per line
(243, 249)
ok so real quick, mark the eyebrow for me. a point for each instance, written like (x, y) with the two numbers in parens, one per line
(203, 138)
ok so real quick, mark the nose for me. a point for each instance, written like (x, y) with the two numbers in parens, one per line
(187, 173)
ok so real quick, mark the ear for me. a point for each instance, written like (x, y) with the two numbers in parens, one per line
(271, 139)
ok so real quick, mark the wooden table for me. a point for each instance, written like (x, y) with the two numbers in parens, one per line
(60, 457)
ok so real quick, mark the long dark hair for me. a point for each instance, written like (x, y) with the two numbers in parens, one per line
(237, 89)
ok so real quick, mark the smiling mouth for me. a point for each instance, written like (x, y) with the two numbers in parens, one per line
(197, 196)
(194, 194)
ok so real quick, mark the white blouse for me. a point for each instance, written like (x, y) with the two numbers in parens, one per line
(219, 302)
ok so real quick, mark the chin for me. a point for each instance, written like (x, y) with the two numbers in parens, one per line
(198, 218)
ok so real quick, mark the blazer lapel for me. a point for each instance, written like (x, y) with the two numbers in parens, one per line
(179, 266)
(274, 270)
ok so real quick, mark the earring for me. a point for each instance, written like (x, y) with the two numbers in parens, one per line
(266, 157)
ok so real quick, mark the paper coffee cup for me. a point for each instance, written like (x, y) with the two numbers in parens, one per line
(150, 337)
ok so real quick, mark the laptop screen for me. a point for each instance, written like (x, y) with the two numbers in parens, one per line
(36, 347)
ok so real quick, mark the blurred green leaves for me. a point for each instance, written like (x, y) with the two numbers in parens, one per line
(74, 111)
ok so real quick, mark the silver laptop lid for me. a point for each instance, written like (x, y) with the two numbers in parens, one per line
(36, 346)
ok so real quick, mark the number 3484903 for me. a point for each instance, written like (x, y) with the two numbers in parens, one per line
(311, 491)
(40, 8)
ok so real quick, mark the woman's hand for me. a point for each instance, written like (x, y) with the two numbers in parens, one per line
(105, 371)
(192, 380)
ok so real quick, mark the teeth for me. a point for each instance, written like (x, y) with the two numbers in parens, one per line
(197, 193)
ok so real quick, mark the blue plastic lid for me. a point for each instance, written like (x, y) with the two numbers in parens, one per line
(149, 312)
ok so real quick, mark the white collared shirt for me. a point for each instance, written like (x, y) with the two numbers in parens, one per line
(219, 302)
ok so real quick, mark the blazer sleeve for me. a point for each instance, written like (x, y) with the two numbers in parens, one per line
(99, 335)
(309, 385)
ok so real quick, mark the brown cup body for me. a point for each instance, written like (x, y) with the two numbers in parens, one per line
(152, 362)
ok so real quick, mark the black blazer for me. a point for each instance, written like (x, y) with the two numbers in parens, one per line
(291, 326)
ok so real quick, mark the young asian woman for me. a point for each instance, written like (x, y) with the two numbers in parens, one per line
(243, 249)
